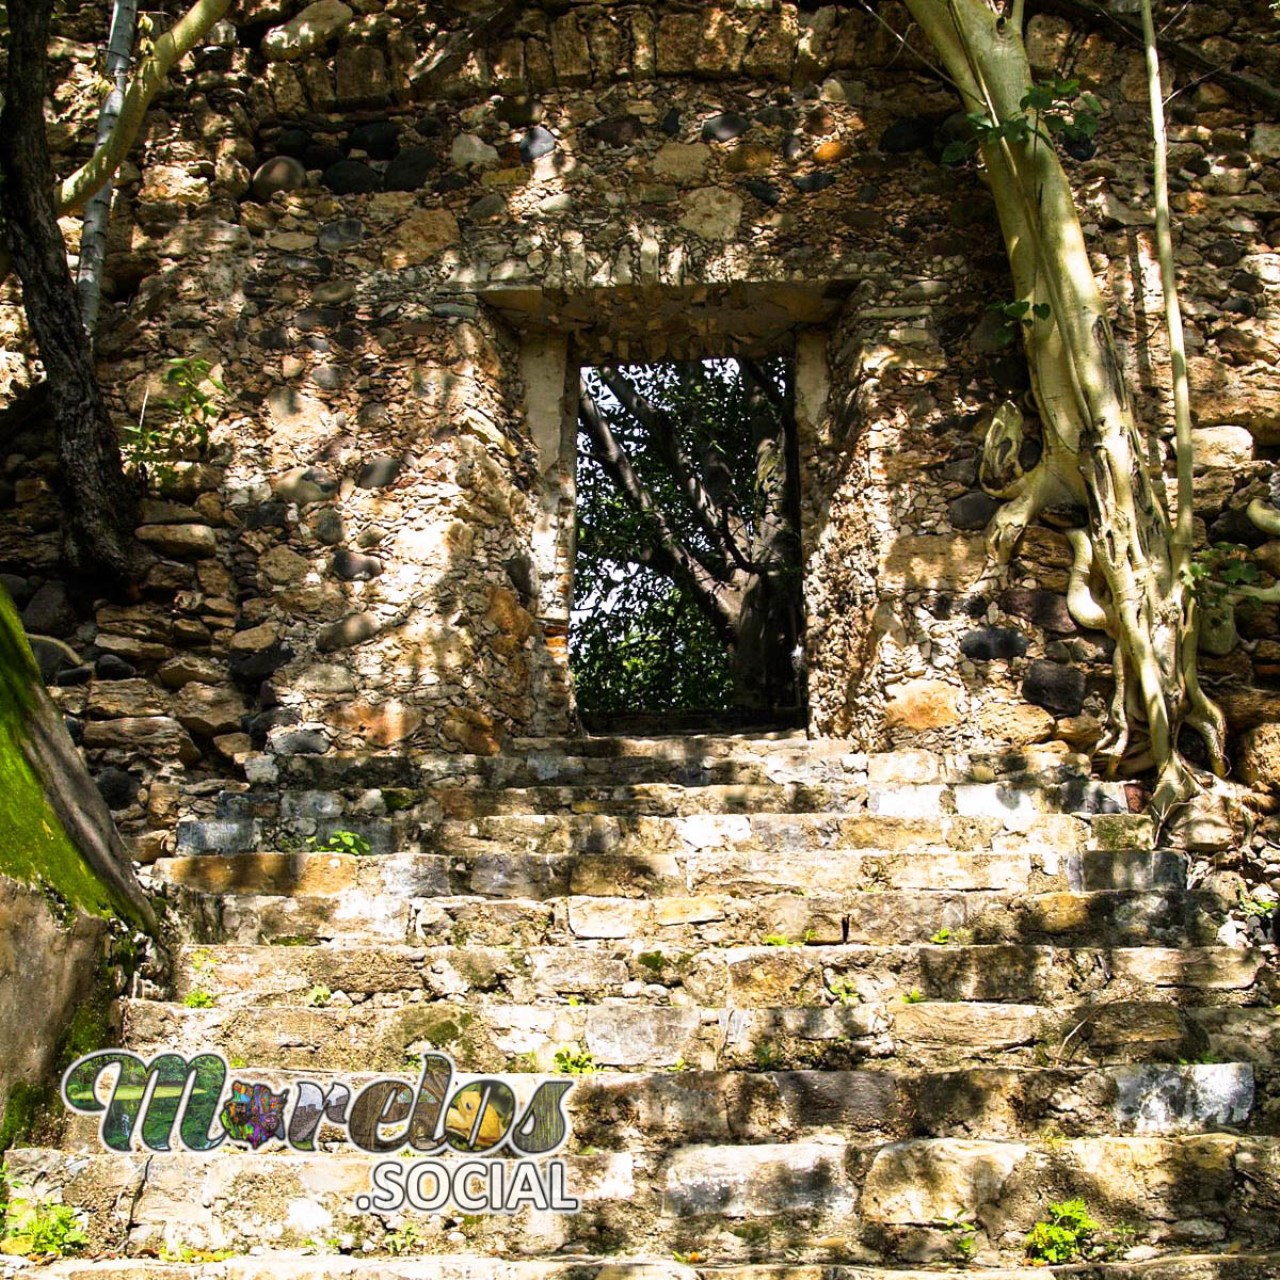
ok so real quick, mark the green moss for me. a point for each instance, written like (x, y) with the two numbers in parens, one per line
(35, 849)
(398, 799)
(89, 1029)
(24, 1108)
(35, 1109)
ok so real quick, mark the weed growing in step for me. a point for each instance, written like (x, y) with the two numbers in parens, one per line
(778, 940)
(200, 997)
(1064, 1236)
(188, 1253)
(402, 1240)
(942, 937)
(914, 996)
(341, 842)
(35, 1228)
(575, 1061)
(965, 1242)
(680, 1065)
(767, 1055)
(844, 991)
(319, 996)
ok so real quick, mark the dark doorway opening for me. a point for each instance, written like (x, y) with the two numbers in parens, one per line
(688, 608)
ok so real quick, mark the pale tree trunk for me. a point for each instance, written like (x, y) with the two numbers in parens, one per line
(97, 214)
(1093, 451)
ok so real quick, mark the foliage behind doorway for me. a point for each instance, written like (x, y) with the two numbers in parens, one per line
(687, 577)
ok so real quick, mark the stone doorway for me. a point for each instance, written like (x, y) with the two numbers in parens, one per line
(687, 574)
(563, 333)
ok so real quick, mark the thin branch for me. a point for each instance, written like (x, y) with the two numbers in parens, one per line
(766, 384)
(1249, 88)
(668, 550)
(1184, 448)
(168, 50)
(710, 516)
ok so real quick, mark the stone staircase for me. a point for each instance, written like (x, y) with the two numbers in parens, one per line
(845, 1016)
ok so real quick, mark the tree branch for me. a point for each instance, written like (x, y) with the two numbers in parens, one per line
(669, 448)
(708, 590)
(1092, 14)
(168, 50)
(763, 383)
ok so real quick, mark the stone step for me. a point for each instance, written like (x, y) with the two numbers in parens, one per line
(405, 811)
(761, 976)
(381, 1036)
(873, 917)
(685, 761)
(289, 1265)
(634, 1111)
(620, 1110)
(887, 1203)
(492, 868)
(643, 835)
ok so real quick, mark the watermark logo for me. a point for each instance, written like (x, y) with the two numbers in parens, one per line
(152, 1104)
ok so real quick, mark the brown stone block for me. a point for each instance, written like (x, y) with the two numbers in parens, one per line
(935, 562)
(679, 42)
(923, 704)
(159, 736)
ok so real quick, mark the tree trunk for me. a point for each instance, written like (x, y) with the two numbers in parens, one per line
(767, 635)
(1093, 450)
(101, 502)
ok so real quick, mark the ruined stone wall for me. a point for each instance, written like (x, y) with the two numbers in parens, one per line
(379, 222)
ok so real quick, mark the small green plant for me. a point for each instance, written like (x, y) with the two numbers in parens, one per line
(1056, 110)
(778, 940)
(1064, 1236)
(1216, 572)
(942, 937)
(403, 1240)
(575, 1061)
(914, 996)
(767, 1055)
(341, 842)
(573, 1001)
(654, 961)
(319, 996)
(202, 967)
(523, 1062)
(965, 1231)
(1253, 905)
(31, 1227)
(844, 991)
(188, 1253)
(1013, 315)
(191, 410)
(680, 1065)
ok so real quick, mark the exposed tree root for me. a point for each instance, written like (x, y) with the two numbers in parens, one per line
(1129, 568)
